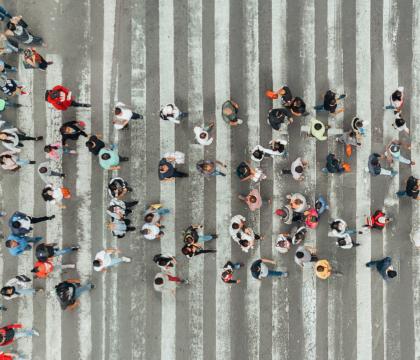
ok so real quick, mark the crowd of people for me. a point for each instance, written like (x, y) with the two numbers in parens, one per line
(299, 213)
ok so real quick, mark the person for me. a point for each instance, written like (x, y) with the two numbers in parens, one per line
(230, 113)
(122, 115)
(317, 129)
(285, 213)
(11, 87)
(330, 103)
(72, 130)
(118, 188)
(297, 202)
(10, 356)
(375, 168)
(349, 139)
(321, 205)
(283, 243)
(11, 333)
(152, 231)
(8, 46)
(259, 152)
(119, 209)
(104, 259)
(18, 286)
(56, 150)
(259, 269)
(298, 107)
(305, 254)
(44, 251)
(279, 147)
(10, 161)
(346, 242)
(167, 170)
(20, 223)
(61, 98)
(338, 228)
(165, 282)
(284, 93)
(253, 200)
(396, 100)
(109, 159)
(171, 113)
(278, 117)
(44, 172)
(95, 144)
(17, 245)
(195, 234)
(245, 172)
(4, 67)
(237, 225)
(247, 239)
(154, 213)
(296, 169)
(311, 218)
(377, 221)
(12, 139)
(358, 126)
(209, 167)
(54, 194)
(228, 270)
(323, 269)
(190, 250)
(42, 269)
(384, 267)
(335, 166)
(4, 14)
(33, 60)
(412, 188)
(119, 228)
(393, 152)
(202, 134)
(298, 234)
(400, 124)
(69, 292)
(18, 29)
(164, 261)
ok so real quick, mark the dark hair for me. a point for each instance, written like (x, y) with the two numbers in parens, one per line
(11, 26)
(16, 224)
(258, 154)
(374, 161)
(318, 126)
(235, 226)
(252, 199)
(53, 94)
(47, 148)
(43, 170)
(105, 156)
(45, 195)
(90, 144)
(320, 268)
(334, 162)
(156, 258)
(96, 263)
(148, 218)
(396, 95)
(334, 225)
(359, 123)
(318, 205)
(299, 169)
(297, 102)
(244, 242)
(117, 111)
(278, 147)
(6, 288)
(391, 273)
(203, 135)
(8, 243)
(159, 281)
(35, 269)
(186, 250)
(341, 242)
(144, 231)
(300, 235)
(300, 254)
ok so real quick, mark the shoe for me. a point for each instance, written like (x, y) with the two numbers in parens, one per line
(75, 248)
(13, 69)
(285, 274)
(393, 173)
(129, 189)
(39, 291)
(35, 332)
(124, 158)
(126, 259)
(39, 138)
(51, 217)
(86, 105)
(63, 176)
(92, 286)
(140, 117)
(185, 281)
(239, 121)
(215, 236)
(32, 162)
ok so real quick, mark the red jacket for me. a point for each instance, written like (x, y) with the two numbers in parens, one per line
(3, 356)
(57, 103)
(44, 269)
(3, 333)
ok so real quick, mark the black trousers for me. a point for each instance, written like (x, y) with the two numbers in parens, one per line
(36, 220)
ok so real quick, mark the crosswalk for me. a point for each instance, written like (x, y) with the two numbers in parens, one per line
(197, 54)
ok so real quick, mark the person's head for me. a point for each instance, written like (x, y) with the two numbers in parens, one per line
(333, 101)
(105, 156)
(11, 26)
(53, 94)
(396, 95)
(391, 273)
(11, 244)
(258, 154)
(299, 169)
(43, 170)
(158, 281)
(117, 111)
(278, 147)
(244, 243)
(163, 168)
(97, 263)
(320, 268)
(7, 290)
(297, 102)
(298, 201)
(189, 239)
(318, 126)
(341, 242)
(90, 144)
(27, 53)
(299, 236)
(48, 148)
(149, 218)
(203, 135)
(282, 91)
(394, 148)
(299, 254)
(336, 225)
(16, 224)
(47, 194)
(235, 226)
(374, 161)
(252, 199)
(186, 250)
(144, 231)
(359, 123)
(156, 258)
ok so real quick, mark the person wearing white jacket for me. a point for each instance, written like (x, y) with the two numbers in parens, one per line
(122, 116)
(202, 134)
(18, 287)
(305, 254)
(171, 113)
(11, 139)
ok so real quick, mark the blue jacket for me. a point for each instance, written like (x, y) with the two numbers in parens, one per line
(23, 243)
(16, 217)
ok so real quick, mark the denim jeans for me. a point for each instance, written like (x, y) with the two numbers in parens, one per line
(204, 238)
(163, 211)
(21, 333)
(115, 261)
(217, 172)
(26, 291)
(350, 231)
(272, 273)
(21, 162)
(4, 13)
(80, 290)
(390, 107)
(401, 159)
(63, 251)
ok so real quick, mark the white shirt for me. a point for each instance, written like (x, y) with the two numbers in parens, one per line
(105, 259)
(171, 112)
(154, 231)
(295, 164)
(125, 115)
(264, 270)
(349, 243)
(205, 141)
(237, 219)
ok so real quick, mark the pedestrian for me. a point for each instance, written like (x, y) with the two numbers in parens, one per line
(230, 111)
(72, 130)
(346, 242)
(42, 269)
(247, 239)
(259, 152)
(164, 261)
(167, 170)
(412, 188)
(17, 245)
(321, 205)
(330, 104)
(259, 269)
(393, 152)
(311, 218)
(13, 332)
(18, 29)
(4, 67)
(18, 286)
(396, 100)
(119, 209)
(33, 60)
(45, 172)
(202, 134)
(152, 231)
(12, 139)
(323, 269)
(384, 267)
(20, 223)
(61, 98)
(8, 46)
(283, 243)
(165, 282)
(55, 151)
(9, 160)
(304, 255)
(318, 130)
(279, 147)
(245, 172)
(297, 202)
(284, 93)
(298, 234)
(171, 113)
(377, 221)
(95, 144)
(54, 194)
(11, 87)
(119, 228)
(285, 213)
(69, 291)
(118, 188)
(10, 356)
(44, 251)
(109, 158)
(237, 224)
(296, 169)
(228, 270)
(195, 234)
(338, 228)
(335, 166)
(154, 213)
(254, 200)
(375, 168)
(358, 126)
(279, 117)
(122, 115)
(349, 139)
(400, 124)
(209, 167)
(190, 250)
(4, 14)
(298, 107)
(104, 259)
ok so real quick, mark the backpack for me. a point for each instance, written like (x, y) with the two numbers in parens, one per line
(66, 293)
(190, 235)
(43, 252)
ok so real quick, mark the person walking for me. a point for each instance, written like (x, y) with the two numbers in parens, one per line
(377, 221)
(396, 100)
(45, 251)
(32, 59)
(400, 124)
(72, 130)
(171, 113)
(20, 223)
(9, 160)
(228, 270)
(254, 200)
(11, 87)
(335, 166)
(95, 144)
(209, 167)
(283, 243)
(17, 245)
(195, 234)
(230, 111)
(317, 129)
(245, 172)
(304, 255)
(122, 116)
(18, 286)
(4, 67)
(61, 98)
(384, 267)
(152, 231)
(10, 333)
(12, 139)
(375, 168)
(119, 228)
(190, 250)
(258, 153)
(45, 172)
(323, 269)
(331, 101)
(109, 158)
(69, 292)
(298, 107)
(279, 117)
(393, 152)
(167, 171)
(118, 188)
(164, 282)
(296, 169)
(259, 269)
(105, 259)
(412, 188)
(54, 194)
(164, 261)
(55, 151)
(17, 28)
(202, 134)
(358, 126)
(42, 269)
